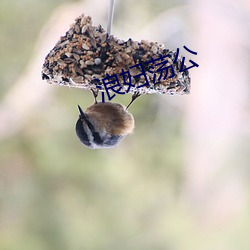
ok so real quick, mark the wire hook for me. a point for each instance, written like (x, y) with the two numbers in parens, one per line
(110, 15)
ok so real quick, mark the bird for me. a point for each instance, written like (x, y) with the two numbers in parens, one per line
(104, 124)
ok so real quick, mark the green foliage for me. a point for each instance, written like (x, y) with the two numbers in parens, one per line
(20, 24)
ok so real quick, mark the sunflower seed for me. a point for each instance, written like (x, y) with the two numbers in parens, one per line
(88, 62)
(85, 46)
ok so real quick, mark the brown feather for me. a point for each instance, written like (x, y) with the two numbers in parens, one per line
(112, 117)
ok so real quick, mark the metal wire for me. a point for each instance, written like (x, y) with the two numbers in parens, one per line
(110, 15)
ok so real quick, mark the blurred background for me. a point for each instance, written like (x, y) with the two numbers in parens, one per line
(180, 182)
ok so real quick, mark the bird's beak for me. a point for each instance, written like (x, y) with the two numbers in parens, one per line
(82, 114)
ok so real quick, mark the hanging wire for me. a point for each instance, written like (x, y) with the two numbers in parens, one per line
(110, 15)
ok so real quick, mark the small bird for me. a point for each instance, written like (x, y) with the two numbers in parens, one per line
(104, 125)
